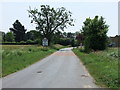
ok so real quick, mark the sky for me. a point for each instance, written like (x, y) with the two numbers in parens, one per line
(12, 11)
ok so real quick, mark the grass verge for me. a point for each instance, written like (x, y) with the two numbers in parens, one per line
(102, 65)
(17, 57)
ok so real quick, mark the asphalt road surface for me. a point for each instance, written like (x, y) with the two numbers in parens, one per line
(62, 69)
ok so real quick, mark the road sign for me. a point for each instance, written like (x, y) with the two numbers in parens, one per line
(45, 42)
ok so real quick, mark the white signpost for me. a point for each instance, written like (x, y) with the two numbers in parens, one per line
(45, 42)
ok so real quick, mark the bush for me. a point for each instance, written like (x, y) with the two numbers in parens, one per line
(64, 41)
(29, 41)
(30, 49)
(22, 42)
(114, 54)
(38, 41)
(19, 53)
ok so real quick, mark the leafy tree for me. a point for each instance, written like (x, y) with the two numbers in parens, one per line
(49, 20)
(94, 31)
(56, 37)
(19, 31)
(64, 34)
(70, 35)
(9, 37)
(32, 35)
(64, 41)
(2, 36)
(73, 43)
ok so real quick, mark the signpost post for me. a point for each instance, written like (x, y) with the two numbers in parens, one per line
(45, 42)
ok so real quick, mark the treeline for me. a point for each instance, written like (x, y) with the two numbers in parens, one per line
(33, 37)
(50, 24)
(19, 35)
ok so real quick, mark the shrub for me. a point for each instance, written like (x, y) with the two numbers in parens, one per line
(38, 41)
(19, 53)
(22, 42)
(73, 43)
(64, 41)
(29, 41)
(30, 49)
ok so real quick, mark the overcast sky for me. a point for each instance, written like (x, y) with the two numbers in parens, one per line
(80, 11)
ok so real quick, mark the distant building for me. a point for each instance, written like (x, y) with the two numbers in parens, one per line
(115, 40)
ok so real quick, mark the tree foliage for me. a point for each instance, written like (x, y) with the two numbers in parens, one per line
(32, 35)
(2, 36)
(49, 20)
(19, 31)
(56, 37)
(94, 31)
(70, 35)
(9, 37)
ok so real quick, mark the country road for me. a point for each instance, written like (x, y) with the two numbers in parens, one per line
(62, 69)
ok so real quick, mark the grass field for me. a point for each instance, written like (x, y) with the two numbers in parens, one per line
(17, 57)
(102, 65)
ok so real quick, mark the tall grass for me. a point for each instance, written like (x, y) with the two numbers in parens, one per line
(102, 66)
(17, 57)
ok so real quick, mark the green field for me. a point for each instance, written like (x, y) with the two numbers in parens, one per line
(17, 57)
(102, 65)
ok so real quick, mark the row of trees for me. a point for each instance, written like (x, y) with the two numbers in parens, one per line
(8, 37)
(50, 23)
(19, 34)
(16, 34)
